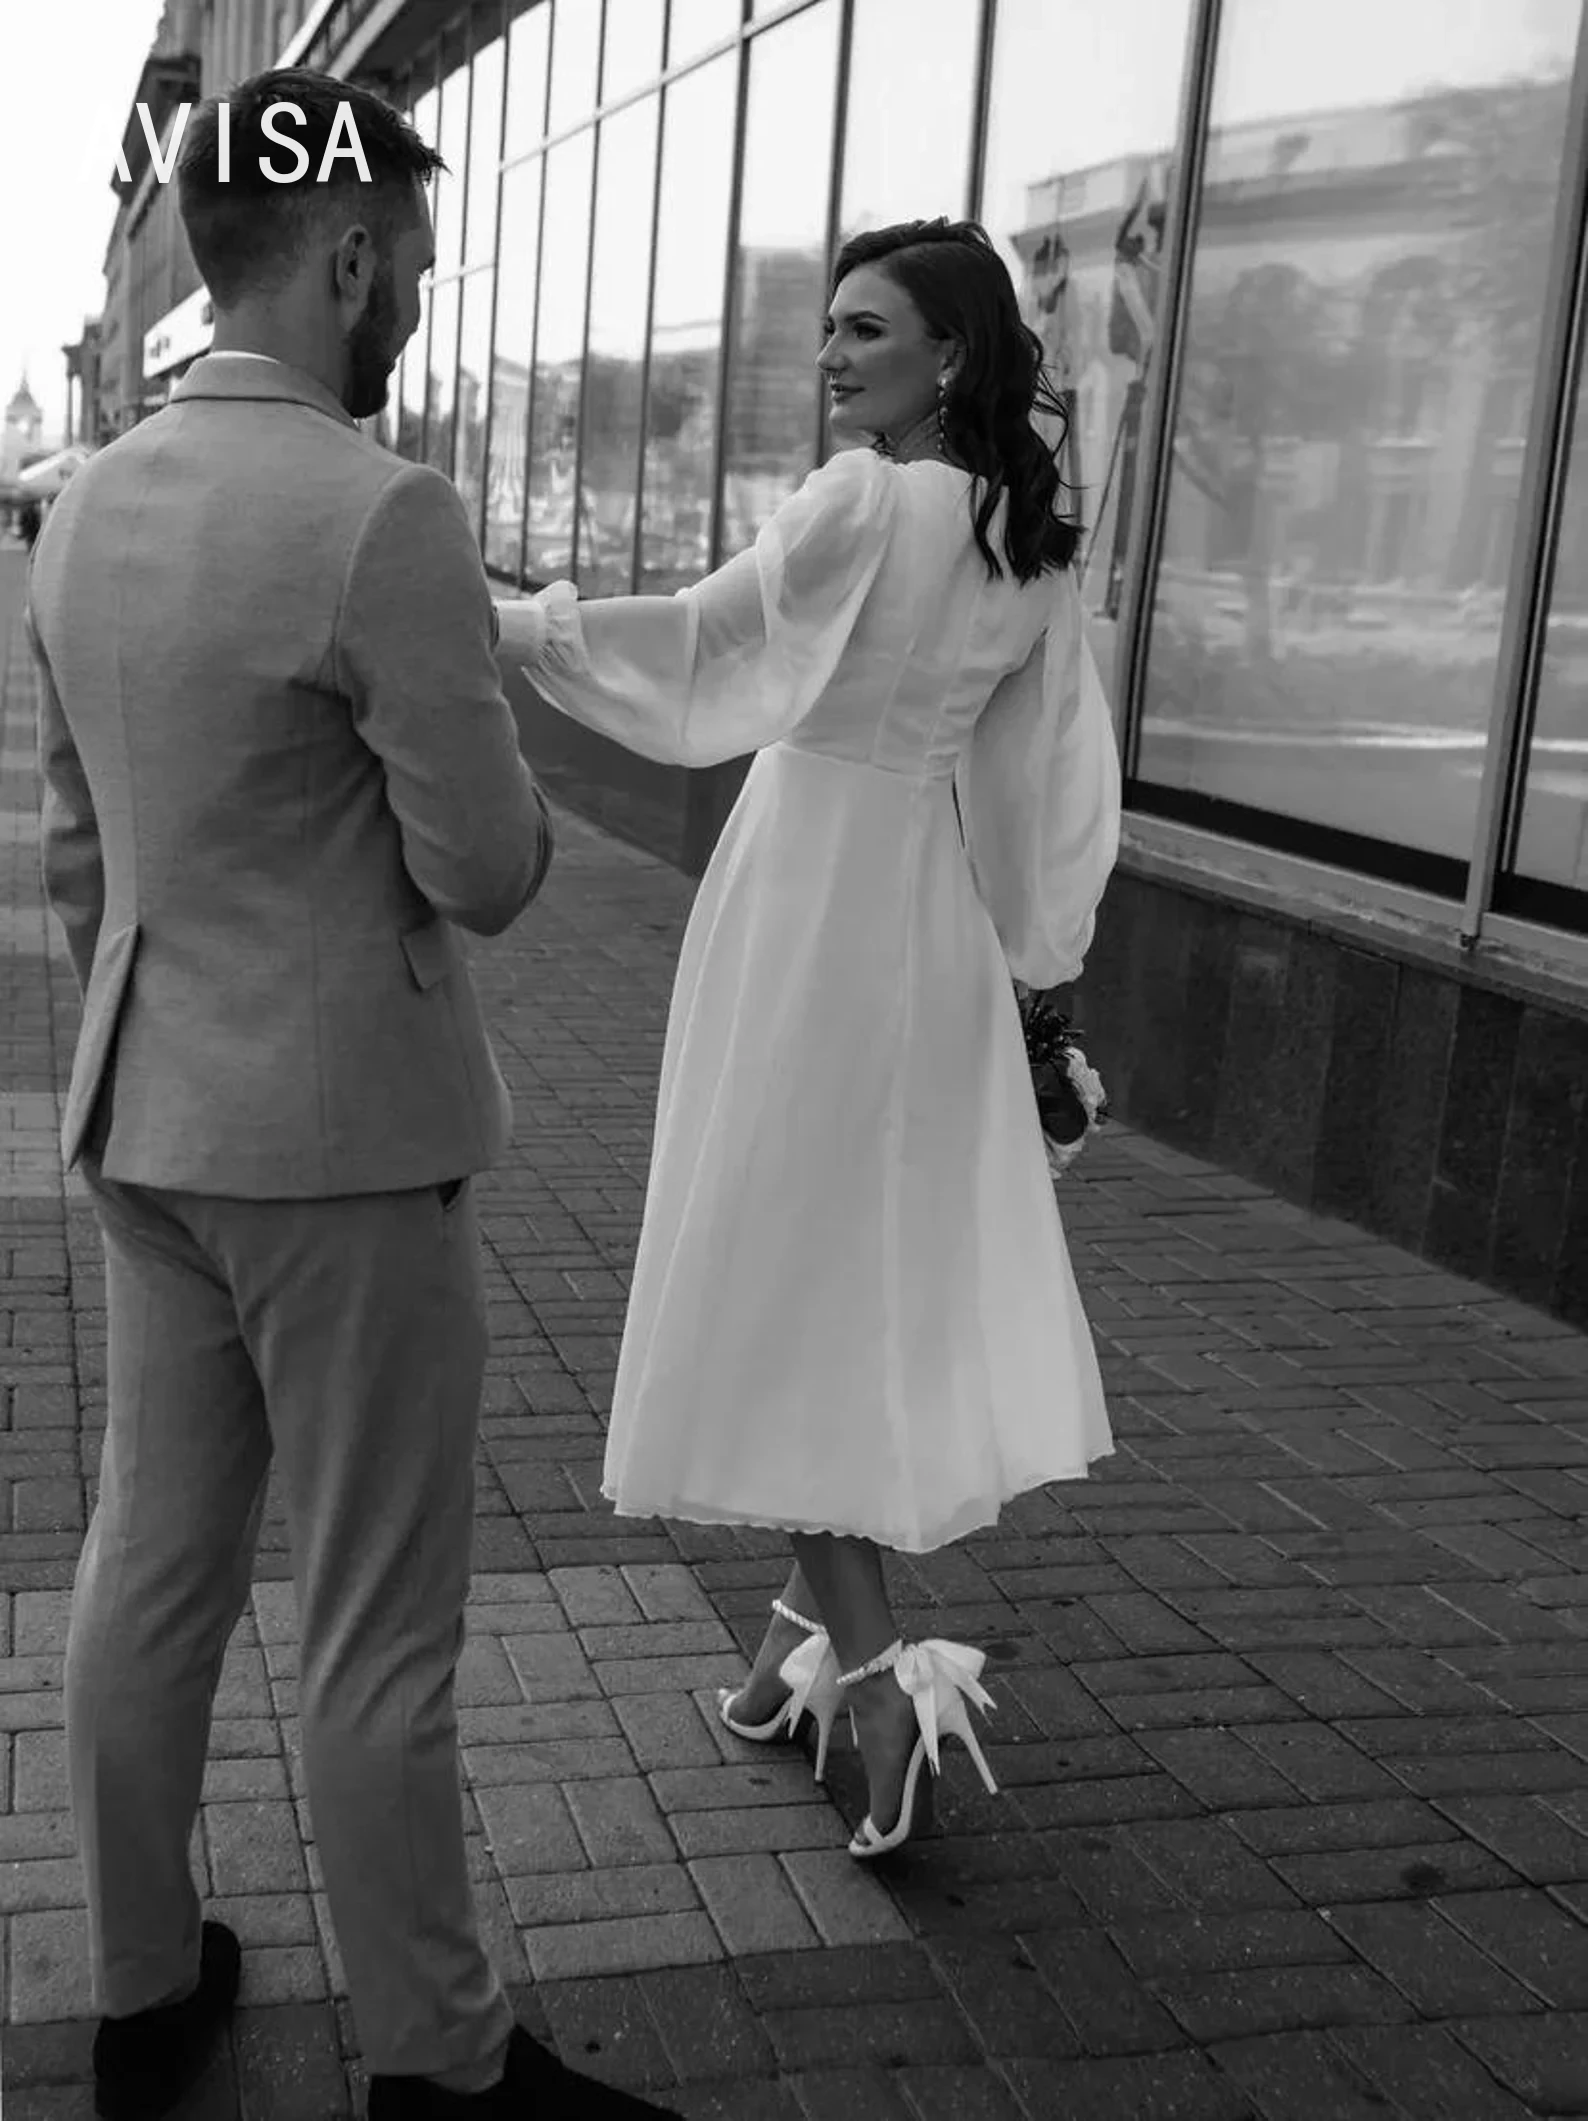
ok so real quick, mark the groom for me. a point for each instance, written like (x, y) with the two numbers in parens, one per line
(279, 775)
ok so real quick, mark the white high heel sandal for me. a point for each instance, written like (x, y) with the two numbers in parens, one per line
(939, 1677)
(810, 1672)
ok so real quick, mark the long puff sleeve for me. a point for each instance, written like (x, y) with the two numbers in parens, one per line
(1039, 791)
(731, 663)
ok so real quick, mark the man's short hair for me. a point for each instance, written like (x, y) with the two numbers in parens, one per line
(248, 233)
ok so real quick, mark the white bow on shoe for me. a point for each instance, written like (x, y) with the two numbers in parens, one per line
(939, 1677)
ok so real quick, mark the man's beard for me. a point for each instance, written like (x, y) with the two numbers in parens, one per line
(372, 351)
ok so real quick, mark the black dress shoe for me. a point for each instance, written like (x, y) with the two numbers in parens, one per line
(144, 2064)
(536, 2087)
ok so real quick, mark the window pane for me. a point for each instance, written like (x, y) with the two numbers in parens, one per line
(773, 396)
(696, 25)
(1073, 195)
(411, 413)
(575, 57)
(912, 74)
(527, 42)
(426, 117)
(450, 182)
(633, 46)
(474, 353)
(511, 347)
(686, 327)
(443, 376)
(1553, 847)
(621, 268)
(485, 139)
(1368, 277)
(559, 347)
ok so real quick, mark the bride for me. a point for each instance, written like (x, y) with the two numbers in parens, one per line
(853, 1315)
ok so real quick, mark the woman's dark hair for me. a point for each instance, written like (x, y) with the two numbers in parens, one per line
(962, 288)
(247, 232)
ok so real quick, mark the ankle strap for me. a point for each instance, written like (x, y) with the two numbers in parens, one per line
(884, 1661)
(787, 1612)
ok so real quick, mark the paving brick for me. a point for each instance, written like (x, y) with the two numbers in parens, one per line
(254, 1847)
(867, 2093)
(1426, 2073)
(530, 1828)
(619, 1822)
(1543, 2060)
(1531, 1937)
(752, 1903)
(1428, 1960)
(771, 1826)
(541, 1898)
(875, 1973)
(1322, 1763)
(1160, 1946)
(1417, 1873)
(1167, 2087)
(705, 2024)
(850, 2034)
(624, 1945)
(1218, 1767)
(846, 1902)
(1525, 1833)
(602, 2028)
(551, 1668)
(1388, 1823)
(953, 2092)
(1300, 2077)
(1236, 2004)
(47, 1954)
(289, 2059)
(1207, 1865)
(1099, 1993)
(666, 1730)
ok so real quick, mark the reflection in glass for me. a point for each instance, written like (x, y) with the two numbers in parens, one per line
(452, 181)
(575, 61)
(441, 404)
(426, 117)
(686, 326)
(485, 136)
(527, 42)
(1553, 846)
(511, 347)
(696, 25)
(1368, 277)
(781, 291)
(411, 405)
(633, 53)
(1083, 114)
(912, 74)
(626, 176)
(559, 349)
(474, 357)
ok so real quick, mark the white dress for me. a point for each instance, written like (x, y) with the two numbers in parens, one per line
(852, 1307)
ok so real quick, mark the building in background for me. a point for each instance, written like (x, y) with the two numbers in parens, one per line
(22, 434)
(1313, 281)
(154, 324)
(85, 418)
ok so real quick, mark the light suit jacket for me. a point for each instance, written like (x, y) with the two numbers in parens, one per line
(278, 766)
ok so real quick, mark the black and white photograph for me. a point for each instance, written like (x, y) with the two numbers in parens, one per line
(794, 1060)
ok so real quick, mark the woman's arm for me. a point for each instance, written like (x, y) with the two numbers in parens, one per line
(734, 662)
(1040, 797)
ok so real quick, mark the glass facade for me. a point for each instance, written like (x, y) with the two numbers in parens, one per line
(1288, 266)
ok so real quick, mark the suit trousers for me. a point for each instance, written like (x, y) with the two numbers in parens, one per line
(346, 1340)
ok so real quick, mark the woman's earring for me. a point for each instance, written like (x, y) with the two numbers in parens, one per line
(942, 413)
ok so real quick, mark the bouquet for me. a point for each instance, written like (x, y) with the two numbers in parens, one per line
(1071, 1100)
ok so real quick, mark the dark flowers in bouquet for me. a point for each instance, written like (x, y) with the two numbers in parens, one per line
(1071, 1100)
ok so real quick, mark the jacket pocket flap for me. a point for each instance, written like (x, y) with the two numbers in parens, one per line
(426, 951)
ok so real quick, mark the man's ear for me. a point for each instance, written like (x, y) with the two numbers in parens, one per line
(353, 265)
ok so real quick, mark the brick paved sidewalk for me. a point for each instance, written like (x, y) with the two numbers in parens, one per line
(1293, 1698)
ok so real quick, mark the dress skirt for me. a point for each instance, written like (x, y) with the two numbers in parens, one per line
(853, 1308)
